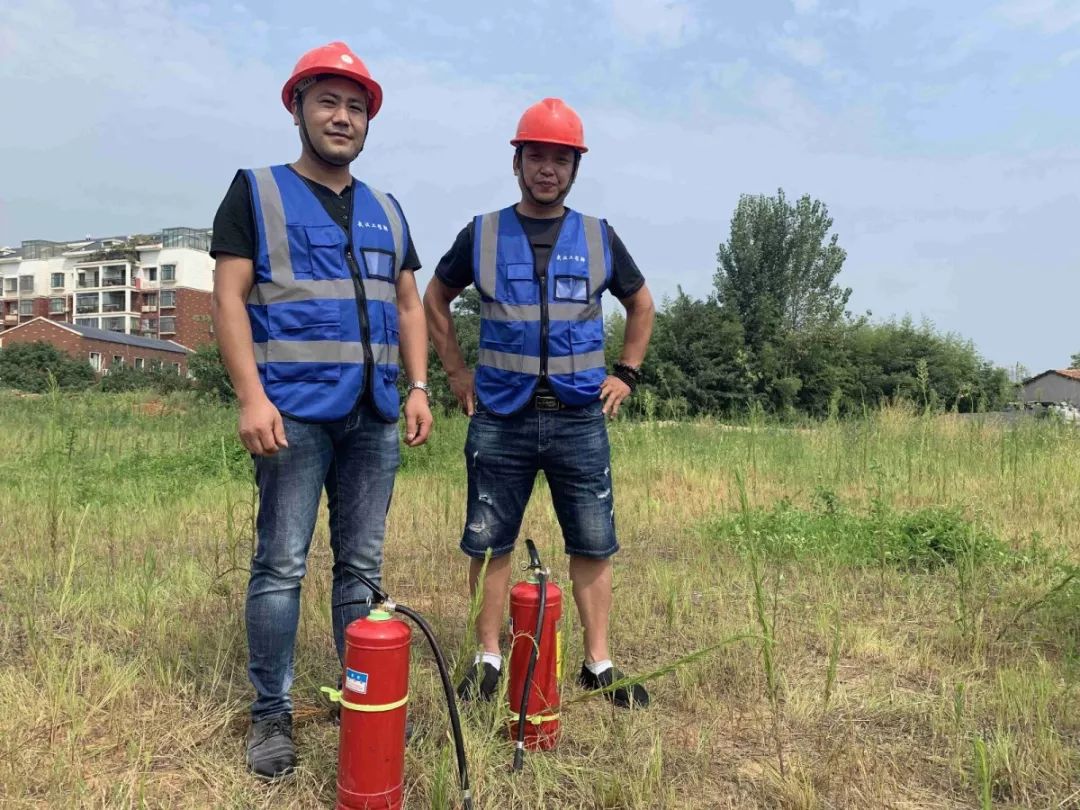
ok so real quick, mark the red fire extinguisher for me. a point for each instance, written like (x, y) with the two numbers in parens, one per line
(373, 697)
(535, 660)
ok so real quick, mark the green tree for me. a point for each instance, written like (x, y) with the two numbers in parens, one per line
(777, 271)
(27, 366)
(1074, 361)
(208, 370)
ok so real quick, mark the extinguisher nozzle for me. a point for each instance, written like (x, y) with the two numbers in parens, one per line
(519, 757)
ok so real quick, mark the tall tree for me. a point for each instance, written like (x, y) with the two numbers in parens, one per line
(777, 272)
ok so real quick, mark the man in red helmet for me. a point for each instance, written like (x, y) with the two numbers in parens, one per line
(541, 390)
(314, 303)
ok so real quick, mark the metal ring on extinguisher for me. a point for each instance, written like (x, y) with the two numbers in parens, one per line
(336, 697)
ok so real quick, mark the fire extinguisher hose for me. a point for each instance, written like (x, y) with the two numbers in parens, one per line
(541, 576)
(444, 674)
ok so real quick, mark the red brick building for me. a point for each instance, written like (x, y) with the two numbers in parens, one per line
(101, 348)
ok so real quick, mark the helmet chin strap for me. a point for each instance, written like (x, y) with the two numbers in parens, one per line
(334, 162)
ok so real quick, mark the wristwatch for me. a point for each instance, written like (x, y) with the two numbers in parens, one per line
(423, 386)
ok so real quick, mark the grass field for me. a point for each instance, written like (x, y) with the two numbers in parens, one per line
(888, 608)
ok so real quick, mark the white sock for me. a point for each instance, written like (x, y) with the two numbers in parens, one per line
(489, 658)
(596, 667)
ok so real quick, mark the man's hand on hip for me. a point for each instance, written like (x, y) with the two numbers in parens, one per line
(261, 428)
(612, 393)
(418, 418)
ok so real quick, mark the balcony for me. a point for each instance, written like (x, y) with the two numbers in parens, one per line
(83, 309)
(113, 281)
(143, 284)
(11, 293)
(149, 308)
(87, 283)
(11, 317)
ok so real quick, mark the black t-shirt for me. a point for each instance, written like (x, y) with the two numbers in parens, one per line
(455, 269)
(234, 223)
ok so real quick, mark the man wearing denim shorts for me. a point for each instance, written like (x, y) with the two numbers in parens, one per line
(541, 392)
(315, 306)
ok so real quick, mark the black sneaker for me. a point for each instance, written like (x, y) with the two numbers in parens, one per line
(482, 680)
(633, 696)
(271, 753)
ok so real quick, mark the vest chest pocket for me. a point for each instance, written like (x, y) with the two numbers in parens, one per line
(572, 288)
(502, 336)
(518, 284)
(379, 264)
(325, 254)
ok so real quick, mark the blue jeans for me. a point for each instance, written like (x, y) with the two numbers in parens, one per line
(355, 460)
(503, 455)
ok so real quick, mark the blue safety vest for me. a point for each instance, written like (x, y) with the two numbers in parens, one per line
(318, 326)
(531, 326)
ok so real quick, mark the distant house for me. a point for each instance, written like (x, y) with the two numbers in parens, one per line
(1053, 387)
(102, 348)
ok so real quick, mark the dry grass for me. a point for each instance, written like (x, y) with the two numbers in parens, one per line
(127, 530)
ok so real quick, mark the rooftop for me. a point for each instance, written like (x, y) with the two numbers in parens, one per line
(196, 238)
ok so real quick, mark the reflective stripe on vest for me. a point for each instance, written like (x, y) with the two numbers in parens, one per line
(511, 354)
(304, 307)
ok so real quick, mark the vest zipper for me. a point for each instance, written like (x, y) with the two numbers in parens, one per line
(544, 321)
(361, 301)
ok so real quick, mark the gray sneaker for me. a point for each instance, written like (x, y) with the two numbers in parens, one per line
(270, 750)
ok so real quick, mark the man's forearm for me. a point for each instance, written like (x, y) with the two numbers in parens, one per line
(640, 315)
(413, 343)
(443, 334)
(233, 330)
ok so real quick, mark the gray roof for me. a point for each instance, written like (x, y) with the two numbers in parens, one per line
(128, 340)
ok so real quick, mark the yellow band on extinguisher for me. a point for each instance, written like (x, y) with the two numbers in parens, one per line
(336, 697)
(536, 719)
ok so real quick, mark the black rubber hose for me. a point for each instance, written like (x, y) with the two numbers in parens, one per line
(519, 749)
(451, 703)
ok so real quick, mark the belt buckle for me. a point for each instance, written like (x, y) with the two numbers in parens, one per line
(546, 402)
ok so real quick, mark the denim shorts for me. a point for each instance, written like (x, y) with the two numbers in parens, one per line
(503, 455)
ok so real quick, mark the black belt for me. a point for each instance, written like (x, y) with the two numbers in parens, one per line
(547, 402)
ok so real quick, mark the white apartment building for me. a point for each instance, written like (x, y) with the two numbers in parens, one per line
(155, 285)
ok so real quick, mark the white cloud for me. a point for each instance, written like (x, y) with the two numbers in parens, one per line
(806, 51)
(1067, 58)
(805, 6)
(666, 22)
(1050, 16)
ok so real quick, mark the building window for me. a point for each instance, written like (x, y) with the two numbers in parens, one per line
(95, 361)
(87, 322)
(57, 281)
(176, 368)
(26, 307)
(114, 324)
(168, 272)
(86, 302)
(88, 278)
(155, 364)
(167, 325)
(57, 305)
(117, 361)
(150, 273)
(139, 363)
(168, 298)
(26, 283)
(11, 285)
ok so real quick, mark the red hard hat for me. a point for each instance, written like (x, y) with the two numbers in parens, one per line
(336, 59)
(551, 121)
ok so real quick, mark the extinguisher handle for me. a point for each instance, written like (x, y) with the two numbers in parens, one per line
(534, 556)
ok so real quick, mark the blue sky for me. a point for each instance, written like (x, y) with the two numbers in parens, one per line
(942, 136)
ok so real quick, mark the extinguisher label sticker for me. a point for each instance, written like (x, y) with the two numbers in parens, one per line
(356, 681)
